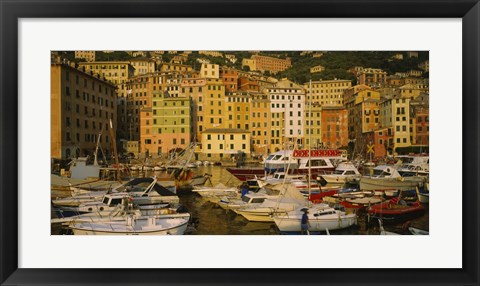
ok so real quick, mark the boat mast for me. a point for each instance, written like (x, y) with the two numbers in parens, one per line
(115, 151)
(310, 143)
(95, 162)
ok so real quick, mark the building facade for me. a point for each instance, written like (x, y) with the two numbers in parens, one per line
(82, 106)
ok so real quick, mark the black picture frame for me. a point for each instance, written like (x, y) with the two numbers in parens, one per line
(11, 11)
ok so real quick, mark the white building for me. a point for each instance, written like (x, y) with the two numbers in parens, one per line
(287, 105)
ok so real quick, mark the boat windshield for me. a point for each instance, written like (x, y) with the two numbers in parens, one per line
(270, 157)
(381, 173)
(407, 160)
(105, 201)
(338, 172)
(246, 199)
(277, 157)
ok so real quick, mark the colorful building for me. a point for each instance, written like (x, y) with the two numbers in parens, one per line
(166, 125)
(220, 143)
(334, 124)
(327, 92)
(117, 72)
(89, 56)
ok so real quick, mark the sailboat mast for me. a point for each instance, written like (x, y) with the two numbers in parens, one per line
(115, 151)
(310, 142)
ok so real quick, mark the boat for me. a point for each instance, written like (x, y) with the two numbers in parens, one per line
(250, 199)
(387, 177)
(219, 189)
(111, 204)
(423, 196)
(132, 226)
(396, 209)
(321, 217)
(417, 231)
(383, 231)
(321, 161)
(200, 180)
(264, 211)
(413, 165)
(143, 191)
(288, 199)
(345, 172)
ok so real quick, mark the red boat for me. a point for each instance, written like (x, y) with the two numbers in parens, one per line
(396, 209)
(317, 197)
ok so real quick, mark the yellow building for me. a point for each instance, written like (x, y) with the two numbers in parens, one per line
(260, 118)
(238, 106)
(250, 63)
(89, 56)
(214, 104)
(219, 143)
(143, 65)
(82, 106)
(166, 125)
(327, 92)
(115, 72)
(317, 69)
(210, 71)
(313, 127)
(196, 89)
(171, 67)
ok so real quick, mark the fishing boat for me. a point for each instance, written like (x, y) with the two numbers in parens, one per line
(132, 226)
(321, 217)
(319, 161)
(387, 177)
(396, 209)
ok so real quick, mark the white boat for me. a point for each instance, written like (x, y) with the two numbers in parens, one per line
(423, 197)
(387, 177)
(345, 172)
(383, 231)
(321, 217)
(289, 198)
(250, 199)
(414, 165)
(265, 211)
(132, 226)
(142, 190)
(217, 190)
(110, 205)
(417, 231)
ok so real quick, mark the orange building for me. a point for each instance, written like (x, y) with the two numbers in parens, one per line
(247, 84)
(230, 79)
(334, 123)
(271, 64)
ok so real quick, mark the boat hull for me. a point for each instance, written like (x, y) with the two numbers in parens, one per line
(244, 174)
(90, 229)
(293, 224)
(403, 184)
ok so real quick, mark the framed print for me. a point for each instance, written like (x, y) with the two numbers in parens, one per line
(362, 68)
